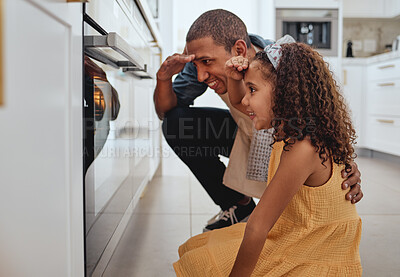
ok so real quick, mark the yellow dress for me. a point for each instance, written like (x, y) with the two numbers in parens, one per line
(318, 234)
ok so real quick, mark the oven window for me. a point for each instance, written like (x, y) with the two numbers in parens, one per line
(99, 103)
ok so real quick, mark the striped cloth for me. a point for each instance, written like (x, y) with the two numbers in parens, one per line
(259, 155)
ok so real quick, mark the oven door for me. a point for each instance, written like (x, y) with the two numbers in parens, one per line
(106, 162)
(112, 68)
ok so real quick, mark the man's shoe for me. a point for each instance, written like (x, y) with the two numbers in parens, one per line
(215, 218)
(235, 214)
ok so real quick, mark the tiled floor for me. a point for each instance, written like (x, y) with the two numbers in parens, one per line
(175, 207)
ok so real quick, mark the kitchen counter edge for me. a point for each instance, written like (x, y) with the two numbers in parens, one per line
(370, 60)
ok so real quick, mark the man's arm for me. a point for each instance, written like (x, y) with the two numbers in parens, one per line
(164, 96)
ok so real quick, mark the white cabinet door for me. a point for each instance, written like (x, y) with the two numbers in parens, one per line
(355, 97)
(41, 202)
(392, 8)
(384, 134)
(383, 106)
(308, 4)
(371, 8)
(363, 8)
(155, 123)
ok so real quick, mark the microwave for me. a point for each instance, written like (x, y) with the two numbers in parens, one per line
(315, 27)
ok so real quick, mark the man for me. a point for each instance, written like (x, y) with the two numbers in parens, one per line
(199, 135)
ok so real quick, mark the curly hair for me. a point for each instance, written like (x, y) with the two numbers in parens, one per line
(307, 103)
(224, 27)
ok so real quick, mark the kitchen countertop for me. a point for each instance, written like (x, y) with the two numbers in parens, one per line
(373, 59)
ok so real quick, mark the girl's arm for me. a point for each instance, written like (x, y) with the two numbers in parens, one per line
(295, 166)
(234, 69)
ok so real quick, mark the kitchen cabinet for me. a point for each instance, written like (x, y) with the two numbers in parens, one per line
(41, 167)
(41, 199)
(372, 89)
(392, 8)
(308, 4)
(354, 93)
(383, 106)
(384, 134)
(371, 8)
(154, 123)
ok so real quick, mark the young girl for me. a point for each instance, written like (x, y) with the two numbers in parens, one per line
(302, 226)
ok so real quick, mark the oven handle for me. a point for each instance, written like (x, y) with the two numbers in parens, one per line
(146, 73)
(118, 44)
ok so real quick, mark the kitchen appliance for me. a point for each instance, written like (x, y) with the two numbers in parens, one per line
(315, 27)
(120, 51)
(105, 171)
(396, 44)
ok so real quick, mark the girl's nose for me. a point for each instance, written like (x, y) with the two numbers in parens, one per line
(245, 100)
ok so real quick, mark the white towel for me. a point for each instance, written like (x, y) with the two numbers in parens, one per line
(259, 155)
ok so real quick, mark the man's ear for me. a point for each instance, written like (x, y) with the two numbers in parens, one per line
(239, 48)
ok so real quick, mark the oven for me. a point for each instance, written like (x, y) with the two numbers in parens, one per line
(120, 127)
(315, 27)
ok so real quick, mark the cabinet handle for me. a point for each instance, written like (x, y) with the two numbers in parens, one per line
(387, 121)
(386, 66)
(387, 85)
(344, 77)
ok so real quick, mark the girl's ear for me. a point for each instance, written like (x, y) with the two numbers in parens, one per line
(239, 48)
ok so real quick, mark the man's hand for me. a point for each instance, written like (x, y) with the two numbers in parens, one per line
(235, 67)
(354, 181)
(173, 65)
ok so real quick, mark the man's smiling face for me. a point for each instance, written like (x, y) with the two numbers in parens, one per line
(210, 60)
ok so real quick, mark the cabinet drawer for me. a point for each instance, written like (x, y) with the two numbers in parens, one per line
(384, 70)
(122, 17)
(384, 134)
(384, 98)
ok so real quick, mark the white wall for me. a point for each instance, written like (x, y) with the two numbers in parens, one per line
(266, 19)
(165, 24)
(308, 4)
(366, 30)
(176, 17)
(186, 12)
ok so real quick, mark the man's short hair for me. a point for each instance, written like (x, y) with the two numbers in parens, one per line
(224, 27)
